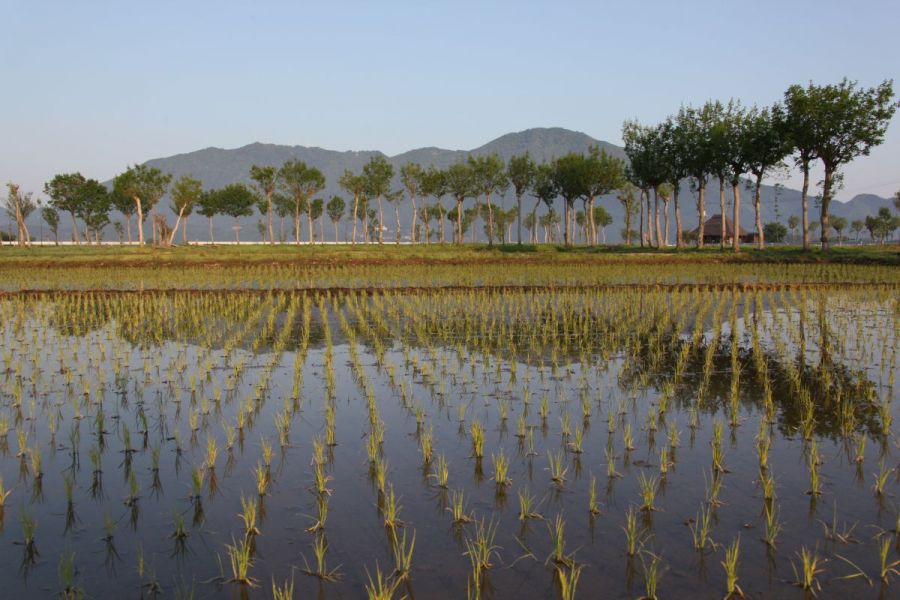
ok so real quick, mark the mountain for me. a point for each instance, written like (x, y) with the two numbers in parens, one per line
(216, 167)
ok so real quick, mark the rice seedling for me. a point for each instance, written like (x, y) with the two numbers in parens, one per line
(886, 569)
(527, 507)
(557, 530)
(390, 509)
(402, 555)
(651, 565)
(381, 588)
(240, 559)
(262, 480)
(556, 461)
(457, 508)
(248, 516)
(810, 567)
(881, 478)
(593, 504)
(212, 452)
(480, 547)
(649, 487)
(713, 488)
(4, 494)
(627, 437)
(441, 473)
(321, 569)
(634, 534)
(815, 486)
(285, 591)
(700, 528)
(477, 432)
(567, 578)
(501, 470)
(772, 525)
(730, 564)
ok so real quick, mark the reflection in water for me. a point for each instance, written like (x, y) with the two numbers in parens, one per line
(375, 418)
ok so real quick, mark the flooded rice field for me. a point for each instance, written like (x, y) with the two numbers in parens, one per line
(622, 442)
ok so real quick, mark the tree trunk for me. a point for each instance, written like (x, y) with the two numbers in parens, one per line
(140, 221)
(237, 232)
(397, 216)
(355, 207)
(722, 212)
(804, 201)
(459, 233)
(335, 231)
(128, 226)
(650, 239)
(757, 204)
(281, 232)
(826, 200)
(679, 238)
(269, 217)
(75, 227)
(297, 225)
(736, 218)
(641, 221)
(309, 222)
(441, 217)
(519, 218)
(566, 212)
(701, 213)
(184, 232)
(593, 224)
(490, 219)
(415, 217)
(211, 239)
(380, 221)
(666, 222)
(656, 218)
(175, 229)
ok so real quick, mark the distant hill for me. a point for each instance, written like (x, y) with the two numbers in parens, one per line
(216, 167)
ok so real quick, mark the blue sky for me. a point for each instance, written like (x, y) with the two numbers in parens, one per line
(94, 86)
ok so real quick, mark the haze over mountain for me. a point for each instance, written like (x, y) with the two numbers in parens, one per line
(217, 167)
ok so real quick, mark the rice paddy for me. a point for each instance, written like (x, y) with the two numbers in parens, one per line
(442, 432)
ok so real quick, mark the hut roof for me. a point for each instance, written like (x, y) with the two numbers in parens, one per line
(713, 226)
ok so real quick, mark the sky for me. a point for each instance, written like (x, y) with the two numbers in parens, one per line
(94, 86)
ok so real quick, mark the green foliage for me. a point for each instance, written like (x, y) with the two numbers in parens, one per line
(775, 232)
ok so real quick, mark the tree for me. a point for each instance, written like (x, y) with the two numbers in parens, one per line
(694, 130)
(316, 208)
(793, 223)
(236, 200)
(602, 174)
(856, 227)
(19, 206)
(530, 223)
(735, 122)
(460, 182)
(775, 232)
(185, 193)
(434, 183)
(378, 173)
(543, 188)
(355, 185)
(664, 191)
(145, 186)
(300, 182)
(95, 205)
(65, 195)
(627, 198)
(489, 178)
(882, 225)
(411, 178)
(671, 139)
(266, 180)
(569, 177)
(602, 219)
(51, 218)
(765, 142)
(335, 210)
(520, 171)
(209, 207)
(839, 224)
(846, 122)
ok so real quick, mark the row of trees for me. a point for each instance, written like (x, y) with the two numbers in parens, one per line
(832, 124)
